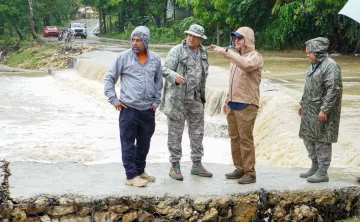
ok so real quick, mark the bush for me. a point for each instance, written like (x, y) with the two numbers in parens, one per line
(7, 41)
(158, 35)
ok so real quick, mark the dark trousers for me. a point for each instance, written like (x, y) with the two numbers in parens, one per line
(135, 125)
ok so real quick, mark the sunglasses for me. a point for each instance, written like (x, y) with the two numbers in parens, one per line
(239, 38)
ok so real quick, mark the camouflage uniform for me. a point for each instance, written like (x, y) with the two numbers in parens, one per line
(185, 101)
(322, 92)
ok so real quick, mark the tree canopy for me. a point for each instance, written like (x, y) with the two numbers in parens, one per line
(15, 15)
(278, 24)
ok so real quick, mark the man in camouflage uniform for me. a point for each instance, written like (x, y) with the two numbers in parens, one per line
(320, 109)
(185, 70)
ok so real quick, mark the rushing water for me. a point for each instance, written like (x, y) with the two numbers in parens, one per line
(65, 116)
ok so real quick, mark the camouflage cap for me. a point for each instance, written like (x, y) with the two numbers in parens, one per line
(196, 30)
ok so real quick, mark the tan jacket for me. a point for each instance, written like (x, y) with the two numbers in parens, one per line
(245, 71)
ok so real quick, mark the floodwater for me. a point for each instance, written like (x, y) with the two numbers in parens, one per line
(65, 117)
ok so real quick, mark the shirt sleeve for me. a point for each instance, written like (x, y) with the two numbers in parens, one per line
(110, 80)
(170, 65)
(247, 64)
(333, 85)
(158, 84)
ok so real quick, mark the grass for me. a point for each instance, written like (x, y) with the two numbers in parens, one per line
(41, 56)
(32, 56)
(158, 35)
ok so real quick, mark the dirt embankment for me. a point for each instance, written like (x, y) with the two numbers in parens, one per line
(41, 56)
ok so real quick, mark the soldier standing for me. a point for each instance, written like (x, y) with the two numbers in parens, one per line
(320, 108)
(185, 70)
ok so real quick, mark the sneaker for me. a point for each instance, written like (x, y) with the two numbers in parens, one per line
(246, 179)
(235, 174)
(145, 176)
(175, 171)
(137, 182)
(198, 169)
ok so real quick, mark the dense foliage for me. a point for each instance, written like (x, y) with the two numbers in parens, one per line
(278, 24)
(15, 19)
(281, 24)
(294, 23)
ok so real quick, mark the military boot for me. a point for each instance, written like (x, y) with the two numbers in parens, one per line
(319, 176)
(175, 171)
(311, 171)
(198, 169)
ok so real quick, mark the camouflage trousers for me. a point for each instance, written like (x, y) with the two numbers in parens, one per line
(194, 116)
(319, 152)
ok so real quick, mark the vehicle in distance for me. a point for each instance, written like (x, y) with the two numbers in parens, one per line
(51, 31)
(78, 29)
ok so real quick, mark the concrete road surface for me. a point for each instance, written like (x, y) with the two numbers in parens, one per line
(30, 179)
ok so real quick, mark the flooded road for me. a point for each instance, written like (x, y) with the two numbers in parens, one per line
(65, 117)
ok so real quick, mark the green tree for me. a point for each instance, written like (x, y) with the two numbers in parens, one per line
(102, 6)
(13, 16)
(51, 12)
(212, 15)
(253, 13)
(296, 22)
(31, 20)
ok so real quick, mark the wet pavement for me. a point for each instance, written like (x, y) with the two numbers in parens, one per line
(30, 179)
(7, 69)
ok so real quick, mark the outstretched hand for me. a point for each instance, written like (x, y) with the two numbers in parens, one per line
(218, 49)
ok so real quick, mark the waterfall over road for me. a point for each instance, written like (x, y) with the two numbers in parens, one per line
(65, 116)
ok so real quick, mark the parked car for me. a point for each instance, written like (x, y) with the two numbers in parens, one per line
(79, 29)
(51, 31)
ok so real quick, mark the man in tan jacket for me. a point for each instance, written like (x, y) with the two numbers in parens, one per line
(242, 102)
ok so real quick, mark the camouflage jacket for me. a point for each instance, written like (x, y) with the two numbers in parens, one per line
(322, 92)
(173, 96)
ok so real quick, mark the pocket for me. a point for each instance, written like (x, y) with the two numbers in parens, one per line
(150, 114)
(250, 113)
(150, 125)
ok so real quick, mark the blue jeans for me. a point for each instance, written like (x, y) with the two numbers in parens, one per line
(135, 125)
